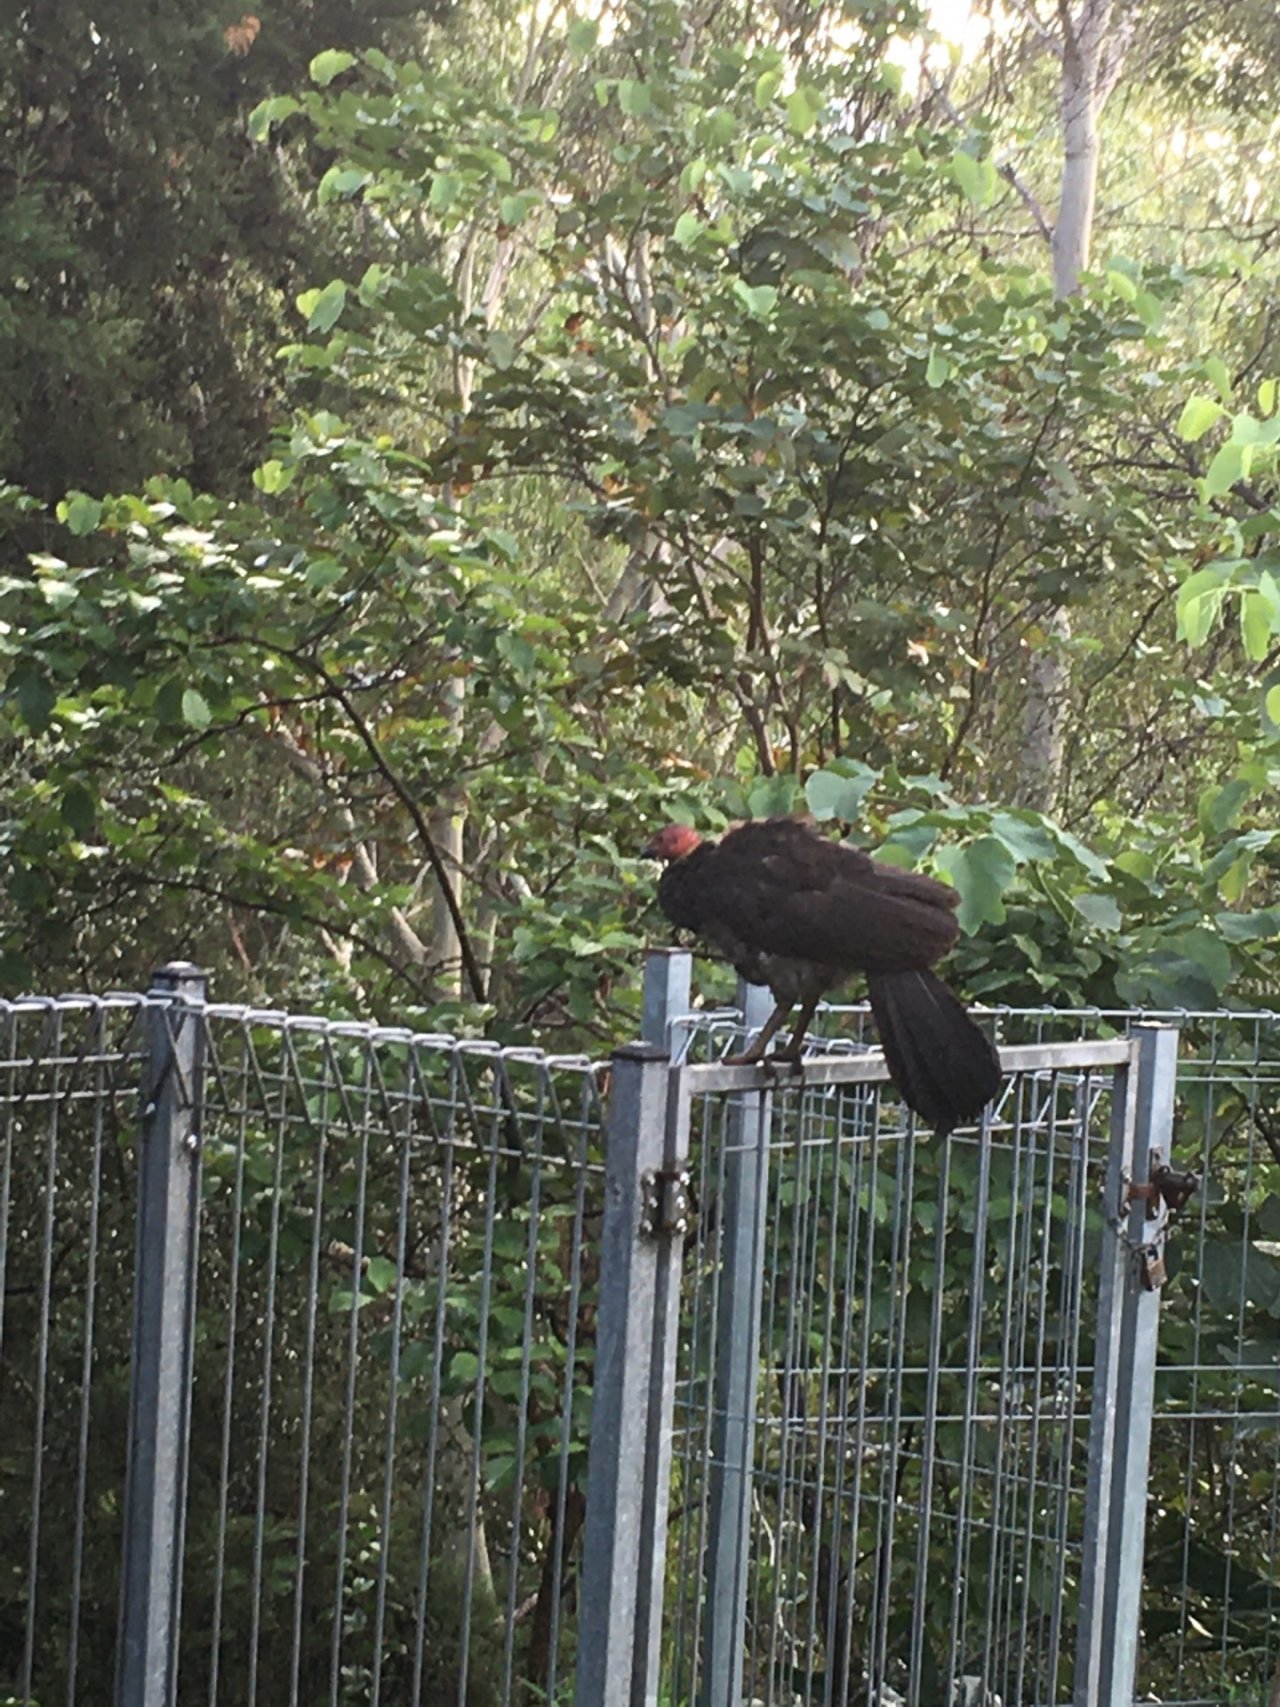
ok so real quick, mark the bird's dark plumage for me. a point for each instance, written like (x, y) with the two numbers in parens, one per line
(802, 914)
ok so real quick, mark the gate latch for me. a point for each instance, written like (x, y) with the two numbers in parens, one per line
(1163, 1186)
(666, 1207)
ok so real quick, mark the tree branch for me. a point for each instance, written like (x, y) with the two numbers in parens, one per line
(371, 745)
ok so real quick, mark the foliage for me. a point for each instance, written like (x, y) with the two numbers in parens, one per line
(674, 418)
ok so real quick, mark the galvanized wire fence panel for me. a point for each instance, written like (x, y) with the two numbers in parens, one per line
(393, 1365)
(394, 1334)
(1210, 1630)
(69, 1073)
(921, 1414)
(393, 1340)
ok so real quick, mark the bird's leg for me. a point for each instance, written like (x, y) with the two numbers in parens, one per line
(749, 1057)
(793, 1049)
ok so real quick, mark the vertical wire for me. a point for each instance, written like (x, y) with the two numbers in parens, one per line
(100, 1095)
(443, 1254)
(472, 1516)
(590, 1126)
(42, 1351)
(264, 1414)
(228, 1385)
(856, 1548)
(928, 1450)
(322, 1117)
(535, 1164)
(403, 1141)
(364, 1121)
(895, 1350)
(837, 1666)
(973, 1360)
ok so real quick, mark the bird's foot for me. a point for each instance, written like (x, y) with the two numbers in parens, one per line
(791, 1055)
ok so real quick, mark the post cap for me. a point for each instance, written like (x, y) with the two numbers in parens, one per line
(175, 974)
(641, 1052)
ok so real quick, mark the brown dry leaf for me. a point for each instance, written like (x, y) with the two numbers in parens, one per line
(241, 37)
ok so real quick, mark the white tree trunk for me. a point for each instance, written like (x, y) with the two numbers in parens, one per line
(1095, 38)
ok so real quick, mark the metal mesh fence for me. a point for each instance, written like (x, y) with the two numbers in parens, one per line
(394, 1338)
(921, 1413)
(1211, 1578)
(69, 1075)
(393, 1346)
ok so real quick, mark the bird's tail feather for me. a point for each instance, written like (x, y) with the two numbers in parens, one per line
(946, 1068)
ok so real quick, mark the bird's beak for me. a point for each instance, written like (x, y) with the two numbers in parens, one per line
(650, 849)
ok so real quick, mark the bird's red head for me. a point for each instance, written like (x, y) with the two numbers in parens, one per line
(673, 841)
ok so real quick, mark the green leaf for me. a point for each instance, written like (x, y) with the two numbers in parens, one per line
(446, 187)
(1255, 625)
(758, 300)
(937, 369)
(634, 98)
(80, 512)
(1263, 925)
(1272, 704)
(1219, 808)
(323, 572)
(1232, 1279)
(36, 699)
(1025, 836)
(583, 35)
(464, 1366)
(1100, 910)
(1227, 467)
(767, 85)
(981, 870)
(687, 228)
(270, 112)
(1199, 604)
(502, 348)
(381, 1273)
(330, 64)
(323, 307)
(803, 107)
(341, 181)
(1267, 396)
(1121, 285)
(195, 709)
(273, 476)
(79, 808)
(977, 179)
(831, 795)
(772, 797)
(1198, 415)
(1215, 371)
(682, 420)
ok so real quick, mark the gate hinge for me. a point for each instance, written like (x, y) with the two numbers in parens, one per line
(666, 1207)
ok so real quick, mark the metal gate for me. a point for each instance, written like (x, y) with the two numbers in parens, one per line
(873, 1410)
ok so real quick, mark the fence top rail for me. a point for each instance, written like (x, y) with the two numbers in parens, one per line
(247, 1017)
(871, 1069)
(700, 1018)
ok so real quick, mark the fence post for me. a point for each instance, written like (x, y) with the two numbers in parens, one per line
(628, 1472)
(743, 1218)
(1124, 1376)
(668, 980)
(163, 1333)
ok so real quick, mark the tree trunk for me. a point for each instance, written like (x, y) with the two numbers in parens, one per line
(1095, 38)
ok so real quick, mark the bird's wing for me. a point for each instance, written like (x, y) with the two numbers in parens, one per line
(784, 890)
